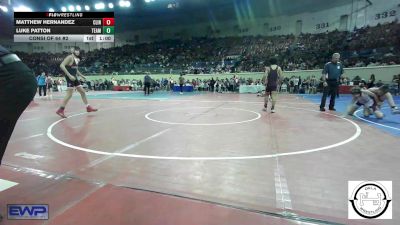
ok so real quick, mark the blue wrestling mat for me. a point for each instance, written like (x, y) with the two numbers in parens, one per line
(390, 123)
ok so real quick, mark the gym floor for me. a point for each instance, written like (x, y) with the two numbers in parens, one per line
(197, 158)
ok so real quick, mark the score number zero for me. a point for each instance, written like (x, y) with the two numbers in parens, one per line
(105, 30)
(108, 26)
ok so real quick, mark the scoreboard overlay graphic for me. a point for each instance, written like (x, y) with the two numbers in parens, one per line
(64, 27)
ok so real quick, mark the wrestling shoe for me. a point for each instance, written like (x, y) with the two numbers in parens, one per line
(60, 112)
(90, 109)
(395, 110)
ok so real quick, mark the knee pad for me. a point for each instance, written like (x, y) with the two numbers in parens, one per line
(367, 112)
(379, 114)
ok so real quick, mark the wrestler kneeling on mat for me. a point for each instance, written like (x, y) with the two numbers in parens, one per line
(365, 98)
(383, 94)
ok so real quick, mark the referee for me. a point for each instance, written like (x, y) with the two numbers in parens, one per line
(147, 84)
(330, 75)
(17, 89)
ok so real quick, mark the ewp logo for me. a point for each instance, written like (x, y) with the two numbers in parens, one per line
(28, 212)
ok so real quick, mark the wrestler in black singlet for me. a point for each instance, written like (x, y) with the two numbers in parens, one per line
(72, 69)
(272, 79)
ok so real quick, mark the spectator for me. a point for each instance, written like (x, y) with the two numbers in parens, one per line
(371, 81)
(49, 84)
(181, 83)
(362, 47)
(356, 80)
(41, 81)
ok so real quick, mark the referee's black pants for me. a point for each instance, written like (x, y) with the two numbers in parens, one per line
(331, 90)
(17, 89)
(146, 88)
